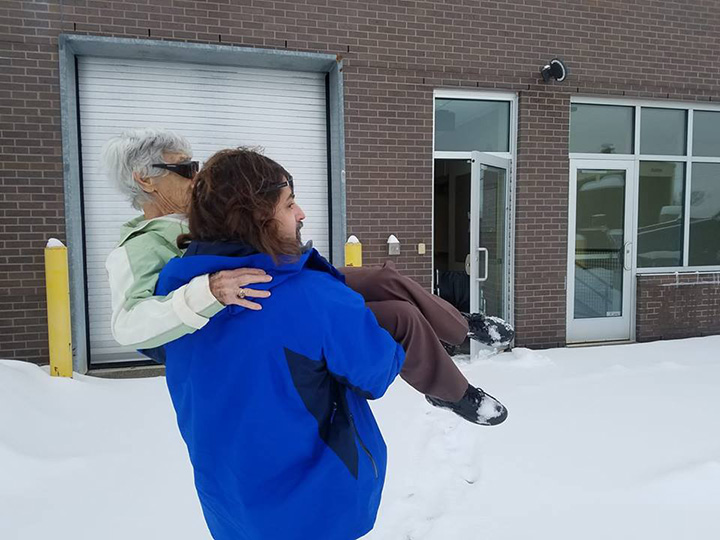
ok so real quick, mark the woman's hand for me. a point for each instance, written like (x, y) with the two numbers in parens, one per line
(229, 287)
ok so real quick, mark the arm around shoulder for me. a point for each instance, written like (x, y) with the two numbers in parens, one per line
(142, 320)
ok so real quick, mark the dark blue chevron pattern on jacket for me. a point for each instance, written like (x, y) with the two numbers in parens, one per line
(325, 399)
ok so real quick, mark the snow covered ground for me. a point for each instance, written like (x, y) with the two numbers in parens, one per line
(616, 442)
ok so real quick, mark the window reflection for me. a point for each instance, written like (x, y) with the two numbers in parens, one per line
(706, 133)
(601, 129)
(663, 131)
(660, 214)
(599, 238)
(705, 215)
(472, 125)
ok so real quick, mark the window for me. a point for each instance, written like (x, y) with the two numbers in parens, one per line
(705, 215)
(601, 129)
(706, 134)
(663, 132)
(677, 154)
(661, 197)
(470, 124)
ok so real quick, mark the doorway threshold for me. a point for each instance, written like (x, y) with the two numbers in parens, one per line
(128, 372)
(600, 343)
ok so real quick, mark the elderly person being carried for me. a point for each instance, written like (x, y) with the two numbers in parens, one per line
(153, 167)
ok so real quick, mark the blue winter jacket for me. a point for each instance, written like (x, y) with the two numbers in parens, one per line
(272, 404)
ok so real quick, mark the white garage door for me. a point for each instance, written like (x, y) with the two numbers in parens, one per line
(215, 107)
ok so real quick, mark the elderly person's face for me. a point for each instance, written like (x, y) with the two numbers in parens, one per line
(170, 192)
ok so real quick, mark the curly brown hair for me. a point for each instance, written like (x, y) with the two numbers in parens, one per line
(233, 200)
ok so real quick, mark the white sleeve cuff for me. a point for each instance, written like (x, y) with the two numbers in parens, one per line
(197, 294)
(183, 311)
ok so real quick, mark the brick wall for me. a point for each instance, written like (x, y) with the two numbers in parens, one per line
(670, 307)
(31, 190)
(541, 217)
(395, 54)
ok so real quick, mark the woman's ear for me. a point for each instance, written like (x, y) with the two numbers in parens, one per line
(145, 183)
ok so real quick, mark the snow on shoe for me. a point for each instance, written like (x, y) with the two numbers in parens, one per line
(492, 331)
(475, 406)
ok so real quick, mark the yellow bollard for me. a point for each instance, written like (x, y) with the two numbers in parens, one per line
(353, 252)
(57, 286)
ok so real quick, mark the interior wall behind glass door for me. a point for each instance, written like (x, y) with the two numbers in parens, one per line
(451, 238)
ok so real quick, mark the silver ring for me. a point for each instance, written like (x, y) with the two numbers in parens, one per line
(241, 294)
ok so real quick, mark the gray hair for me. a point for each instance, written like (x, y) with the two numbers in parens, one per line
(134, 151)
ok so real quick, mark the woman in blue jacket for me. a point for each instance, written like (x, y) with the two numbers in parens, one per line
(273, 404)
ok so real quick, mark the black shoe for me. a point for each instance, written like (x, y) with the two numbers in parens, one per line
(452, 350)
(491, 331)
(475, 406)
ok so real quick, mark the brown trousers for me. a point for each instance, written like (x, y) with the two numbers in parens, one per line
(418, 320)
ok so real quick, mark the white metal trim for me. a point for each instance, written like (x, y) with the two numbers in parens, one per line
(468, 155)
(431, 251)
(487, 158)
(688, 190)
(683, 273)
(640, 157)
(475, 206)
(510, 209)
(452, 155)
(570, 259)
(636, 131)
(655, 157)
(663, 270)
(476, 172)
(634, 209)
(601, 157)
(478, 95)
(646, 102)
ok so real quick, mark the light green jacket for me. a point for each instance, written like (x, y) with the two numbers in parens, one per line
(140, 319)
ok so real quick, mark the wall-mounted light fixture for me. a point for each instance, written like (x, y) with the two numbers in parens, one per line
(555, 69)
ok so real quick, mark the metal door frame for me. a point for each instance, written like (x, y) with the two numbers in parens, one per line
(479, 163)
(494, 160)
(486, 95)
(594, 330)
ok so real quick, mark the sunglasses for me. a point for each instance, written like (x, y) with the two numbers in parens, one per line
(275, 187)
(186, 169)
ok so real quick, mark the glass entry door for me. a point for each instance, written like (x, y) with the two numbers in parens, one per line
(600, 251)
(488, 236)
(471, 232)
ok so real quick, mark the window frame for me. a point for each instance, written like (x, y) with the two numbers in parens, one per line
(487, 95)
(637, 157)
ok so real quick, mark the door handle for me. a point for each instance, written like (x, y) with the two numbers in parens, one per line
(627, 251)
(484, 278)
